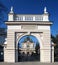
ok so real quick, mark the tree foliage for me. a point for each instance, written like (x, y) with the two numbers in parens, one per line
(55, 40)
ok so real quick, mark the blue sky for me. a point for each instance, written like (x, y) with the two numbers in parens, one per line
(33, 7)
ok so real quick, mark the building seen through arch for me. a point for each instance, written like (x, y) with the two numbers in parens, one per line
(29, 50)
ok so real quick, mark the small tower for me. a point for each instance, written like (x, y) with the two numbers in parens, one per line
(45, 15)
(11, 15)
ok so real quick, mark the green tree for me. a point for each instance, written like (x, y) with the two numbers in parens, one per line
(55, 41)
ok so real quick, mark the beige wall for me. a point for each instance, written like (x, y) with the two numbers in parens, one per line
(41, 32)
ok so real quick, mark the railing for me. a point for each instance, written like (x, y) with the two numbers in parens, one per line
(28, 18)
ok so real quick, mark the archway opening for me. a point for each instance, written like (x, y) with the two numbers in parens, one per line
(28, 49)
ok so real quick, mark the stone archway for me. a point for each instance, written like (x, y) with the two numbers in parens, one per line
(41, 30)
(38, 35)
(36, 25)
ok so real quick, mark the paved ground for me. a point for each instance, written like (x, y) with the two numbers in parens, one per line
(28, 63)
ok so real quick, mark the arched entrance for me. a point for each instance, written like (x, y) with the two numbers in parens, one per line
(39, 27)
(21, 25)
(28, 49)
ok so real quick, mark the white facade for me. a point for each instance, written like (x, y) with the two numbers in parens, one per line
(28, 43)
(27, 47)
(21, 25)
